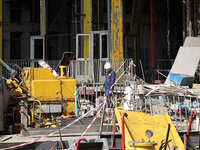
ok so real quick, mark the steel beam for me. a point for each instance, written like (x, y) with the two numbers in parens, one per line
(87, 25)
(116, 29)
(42, 17)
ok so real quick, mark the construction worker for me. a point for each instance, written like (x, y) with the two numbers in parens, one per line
(109, 81)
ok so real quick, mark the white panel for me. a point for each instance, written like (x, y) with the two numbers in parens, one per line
(186, 61)
(192, 42)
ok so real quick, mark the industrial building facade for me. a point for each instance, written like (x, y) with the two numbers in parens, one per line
(144, 30)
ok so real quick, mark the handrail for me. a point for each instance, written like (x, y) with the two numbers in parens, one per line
(123, 134)
(120, 66)
(189, 127)
(70, 61)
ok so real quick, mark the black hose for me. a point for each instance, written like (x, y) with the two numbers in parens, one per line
(165, 144)
(167, 136)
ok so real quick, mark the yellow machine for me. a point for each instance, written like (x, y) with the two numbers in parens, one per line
(47, 97)
(138, 124)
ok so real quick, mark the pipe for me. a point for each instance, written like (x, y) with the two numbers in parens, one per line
(29, 120)
(152, 51)
(39, 120)
(78, 142)
(54, 146)
(70, 60)
(76, 111)
(101, 124)
(32, 116)
(13, 73)
(113, 139)
(123, 134)
(34, 108)
(189, 127)
(40, 106)
(61, 139)
(14, 113)
(5, 66)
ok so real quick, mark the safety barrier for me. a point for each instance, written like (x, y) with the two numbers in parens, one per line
(43, 137)
(87, 127)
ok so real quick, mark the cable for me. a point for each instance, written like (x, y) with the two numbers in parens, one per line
(164, 144)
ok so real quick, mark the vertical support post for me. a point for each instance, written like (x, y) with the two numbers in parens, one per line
(102, 118)
(42, 17)
(184, 138)
(191, 17)
(116, 33)
(76, 112)
(43, 23)
(87, 25)
(184, 20)
(135, 50)
(150, 101)
(116, 29)
(109, 30)
(61, 139)
(199, 139)
(152, 50)
(1, 28)
(113, 136)
(1, 107)
(24, 117)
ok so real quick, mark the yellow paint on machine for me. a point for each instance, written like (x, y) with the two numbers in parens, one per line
(43, 86)
(116, 29)
(137, 123)
(87, 26)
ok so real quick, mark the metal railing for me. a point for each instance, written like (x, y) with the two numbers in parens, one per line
(79, 70)
(157, 104)
(178, 107)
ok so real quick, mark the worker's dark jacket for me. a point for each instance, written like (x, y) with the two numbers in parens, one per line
(109, 81)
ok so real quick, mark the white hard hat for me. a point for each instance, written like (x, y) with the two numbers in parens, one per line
(107, 65)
